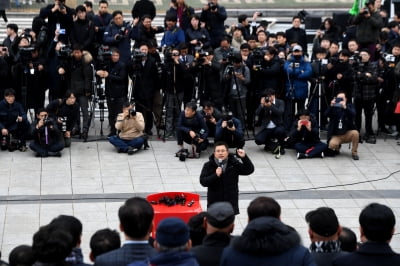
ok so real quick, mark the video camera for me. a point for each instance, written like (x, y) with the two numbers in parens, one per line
(212, 6)
(200, 55)
(121, 34)
(104, 57)
(25, 54)
(65, 51)
(132, 112)
(137, 56)
(228, 55)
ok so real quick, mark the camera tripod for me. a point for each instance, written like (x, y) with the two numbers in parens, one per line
(317, 94)
(97, 99)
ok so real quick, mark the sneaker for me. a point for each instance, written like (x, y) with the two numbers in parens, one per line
(322, 155)
(56, 154)
(301, 156)
(355, 157)
(132, 150)
(23, 148)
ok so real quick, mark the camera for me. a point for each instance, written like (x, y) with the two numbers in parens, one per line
(208, 117)
(137, 56)
(230, 123)
(120, 35)
(62, 6)
(132, 112)
(4, 143)
(266, 99)
(65, 51)
(389, 58)
(304, 122)
(47, 122)
(337, 102)
(212, 6)
(4, 49)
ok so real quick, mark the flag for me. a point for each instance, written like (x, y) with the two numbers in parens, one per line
(356, 7)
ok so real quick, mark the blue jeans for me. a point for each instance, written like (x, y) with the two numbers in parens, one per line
(123, 144)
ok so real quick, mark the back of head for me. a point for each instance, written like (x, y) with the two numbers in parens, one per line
(220, 216)
(103, 241)
(51, 244)
(21, 256)
(377, 222)
(323, 221)
(263, 206)
(71, 225)
(348, 240)
(136, 217)
(197, 230)
(172, 233)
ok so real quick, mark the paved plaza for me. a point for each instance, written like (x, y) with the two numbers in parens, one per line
(91, 180)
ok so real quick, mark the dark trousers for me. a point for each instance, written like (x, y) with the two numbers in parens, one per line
(314, 149)
(368, 107)
(45, 149)
(114, 108)
(185, 137)
(145, 106)
(3, 15)
(231, 140)
(264, 136)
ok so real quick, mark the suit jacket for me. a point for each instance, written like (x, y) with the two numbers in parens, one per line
(370, 254)
(126, 254)
(273, 113)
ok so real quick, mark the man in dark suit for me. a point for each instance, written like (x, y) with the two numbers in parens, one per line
(377, 224)
(145, 77)
(270, 113)
(136, 217)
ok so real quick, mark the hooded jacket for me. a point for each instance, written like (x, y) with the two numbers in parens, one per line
(267, 241)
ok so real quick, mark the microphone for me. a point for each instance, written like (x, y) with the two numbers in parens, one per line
(220, 164)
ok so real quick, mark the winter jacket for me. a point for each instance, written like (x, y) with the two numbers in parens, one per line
(267, 241)
(225, 187)
(298, 72)
(210, 251)
(368, 29)
(169, 258)
(130, 128)
(9, 114)
(346, 116)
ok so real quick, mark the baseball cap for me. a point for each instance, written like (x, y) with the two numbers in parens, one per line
(220, 214)
(323, 221)
(297, 48)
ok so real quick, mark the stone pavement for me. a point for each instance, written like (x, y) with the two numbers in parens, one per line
(91, 180)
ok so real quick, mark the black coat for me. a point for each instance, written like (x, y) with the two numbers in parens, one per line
(117, 81)
(370, 254)
(225, 187)
(58, 108)
(146, 79)
(336, 114)
(210, 251)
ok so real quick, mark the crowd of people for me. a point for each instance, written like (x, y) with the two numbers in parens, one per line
(251, 78)
(207, 239)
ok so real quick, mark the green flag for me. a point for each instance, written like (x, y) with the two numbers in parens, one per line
(356, 7)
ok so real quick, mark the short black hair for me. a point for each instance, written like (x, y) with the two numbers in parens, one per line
(242, 18)
(22, 255)
(208, 104)
(13, 26)
(69, 224)
(191, 105)
(221, 143)
(136, 217)
(81, 8)
(268, 92)
(171, 17)
(377, 222)
(263, 206)
(103, 2)
(117, 12)
(348, 240)
(88, 3)
(51, 244)
(197, 230)
(104, 240)
(9, 92)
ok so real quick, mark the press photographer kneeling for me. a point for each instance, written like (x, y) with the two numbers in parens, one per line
(130, 125)
(47, 138)
(229, 129)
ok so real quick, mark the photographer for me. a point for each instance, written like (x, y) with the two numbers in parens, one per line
(192, 129)
(214, 16)
(83, 32)
(78, 73)
(119, 34)
(145, 83)
(5, 69)
(116, 78)
(66, 113)
(367, 85)
(196, 36)
(237, 76)
(369, 24)
(131, 125)
(13, 121)
(229, 129)
(59, 16)
(47, 138)
(305, 136)
(298, 72)
(145, 32)
(173, 35)
(211, 116)
(341, 127)
(270, 113)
